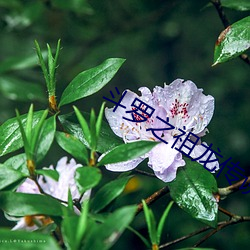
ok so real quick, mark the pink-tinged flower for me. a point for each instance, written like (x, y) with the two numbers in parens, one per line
(58, 189)
(184, 105)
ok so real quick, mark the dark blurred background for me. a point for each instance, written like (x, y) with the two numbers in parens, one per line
(161, 41)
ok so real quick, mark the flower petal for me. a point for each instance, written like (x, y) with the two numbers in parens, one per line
(59, 189)
(29, 187)
(125, 166)
(186, 105)
(21, 225)
(164, 161)
(198, 151)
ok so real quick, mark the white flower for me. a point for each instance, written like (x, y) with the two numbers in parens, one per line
(184, 105)
(58, 189)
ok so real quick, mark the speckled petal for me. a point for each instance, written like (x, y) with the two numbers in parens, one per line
(186, 105)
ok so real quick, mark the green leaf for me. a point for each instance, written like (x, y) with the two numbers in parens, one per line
(82, 223)
(10, 136)
(8, 176)
(18, 162)
(127, 152)
(99, 121)
(105, 235)
(74, 228)
(193, 191)
(20, 204)
(69, 230)
(108, 193)
(87, 177)
(90, 81)
(73, 146)
(16, 240)
(43, 65)
(19, 90)
(241, 5)
(37, 132)
(92, 127)
(46, 137)
(233, 41)
(84, 125)
(151, 223)
(53, 174)
(107, 139)
(162, 221)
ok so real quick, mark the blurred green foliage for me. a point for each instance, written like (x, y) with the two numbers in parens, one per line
(161, 41)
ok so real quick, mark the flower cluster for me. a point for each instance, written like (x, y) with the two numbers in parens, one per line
(58, 189)
(184, 105)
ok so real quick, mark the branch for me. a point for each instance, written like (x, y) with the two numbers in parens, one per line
(233, 188)
(204, 229)
(226, 23)
(235, 220)
(152, 198)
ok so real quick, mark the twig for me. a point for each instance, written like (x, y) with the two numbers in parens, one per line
(235, 220)
(226, 23)
(224, 211)
(152, 198)
(222, 15)
(42, 192)
(144, 173)
(204, 229)
(233, 188)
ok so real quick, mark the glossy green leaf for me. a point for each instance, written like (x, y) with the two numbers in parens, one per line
(107, 139)
(108, 193)
(233, 41)
(19, 90)
(20, 204)
(90, 81)
(10, 136)
(127, 152)
(241, 5)
(16, 240)
(46, 138)
(87, 177)
(9, 175)
(105, 235)
(73, 146)
(53, 174)
(193, 191)
(18, 162)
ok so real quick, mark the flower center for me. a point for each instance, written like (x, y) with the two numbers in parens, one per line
(179, 109)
